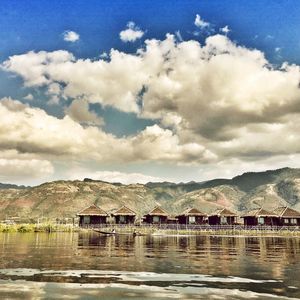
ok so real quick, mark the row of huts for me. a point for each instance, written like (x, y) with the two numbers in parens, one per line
(282, 216)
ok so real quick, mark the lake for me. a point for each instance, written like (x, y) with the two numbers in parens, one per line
(92, 266)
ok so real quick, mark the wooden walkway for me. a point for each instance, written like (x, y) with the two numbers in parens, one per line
(197, 229)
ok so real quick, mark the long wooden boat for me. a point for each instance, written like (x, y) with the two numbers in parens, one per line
(105, 232)
(119, 233)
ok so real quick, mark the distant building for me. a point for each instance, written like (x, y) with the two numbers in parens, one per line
(222, 217)
(92, 215)
(156, 216)
(124, 215)
(192, 216)
(260, 217)
(287, 216)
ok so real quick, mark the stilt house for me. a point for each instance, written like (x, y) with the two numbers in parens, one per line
(92, 215)
(156, 216)
(192, 216)
(222, 217)
(124, 215)
(287, 216)
(260, 217)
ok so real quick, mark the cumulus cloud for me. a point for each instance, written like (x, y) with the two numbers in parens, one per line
(115, 176)
(28, 97)
(99, 81)
(71, 36)
(211, 101)
(132, 33)
(234, 166)
(28, 130)
(14, 169)
(199, 22)
(79, 112)
(179, 36)
(32, 66)
(225, 29)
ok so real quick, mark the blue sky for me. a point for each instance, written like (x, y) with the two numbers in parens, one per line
(271, 27)
(28, 25)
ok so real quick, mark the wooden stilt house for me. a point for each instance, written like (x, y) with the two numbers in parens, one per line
(156, 216)
(92, 215)
(287, 216)
(260, 216)
(192, 216)
(124, 215)
(222, 217)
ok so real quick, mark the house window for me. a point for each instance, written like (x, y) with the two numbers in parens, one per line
(155, 219)
(86, 220)
(223, 220)
(122, 219)
(261, 220)
(294, 221)
(286, 221)
(192, 219)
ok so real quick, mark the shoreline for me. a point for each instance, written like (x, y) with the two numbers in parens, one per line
(149, 230)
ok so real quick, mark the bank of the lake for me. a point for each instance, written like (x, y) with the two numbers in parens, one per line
(43, 227)
(156, 230)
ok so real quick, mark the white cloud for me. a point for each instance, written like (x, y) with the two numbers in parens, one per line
(71, 36)
(54, 89)
(199, 22)
(115, 176)
(29, 97)
(15, 169)
(32, 131)
(225, 29)
(104, 55)
(179, 36)
(218, 100)
(32, 67)
(79, 112)
(234, 166)
(269, 37)
(132, 33)
(99, 81)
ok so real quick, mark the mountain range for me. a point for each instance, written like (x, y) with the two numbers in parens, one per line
(62, 199)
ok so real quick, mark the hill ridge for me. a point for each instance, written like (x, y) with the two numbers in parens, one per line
(64, 198)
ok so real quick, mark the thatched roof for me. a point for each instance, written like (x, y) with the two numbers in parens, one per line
(260, 212)
(92, 210)
(224, 212)
(287, 212)
(193, 212)
(158, 211)
(124, 211)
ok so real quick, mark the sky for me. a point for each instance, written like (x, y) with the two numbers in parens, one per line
(138, 91)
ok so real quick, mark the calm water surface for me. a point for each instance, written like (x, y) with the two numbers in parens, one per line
(91, 266)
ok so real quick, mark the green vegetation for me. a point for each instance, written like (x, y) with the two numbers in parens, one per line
(44, 227)
(51, 227)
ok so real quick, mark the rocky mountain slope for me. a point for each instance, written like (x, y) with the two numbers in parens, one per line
(61, 199)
